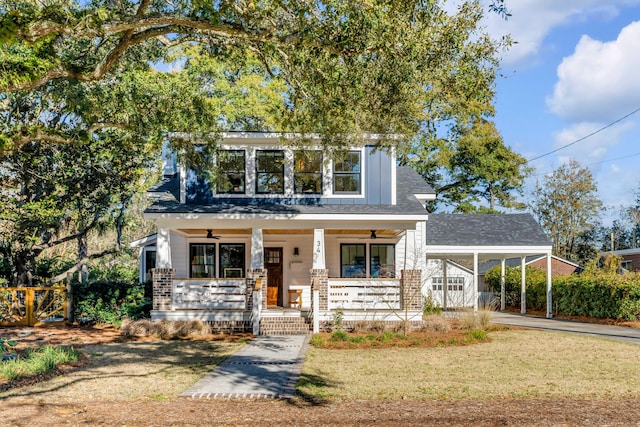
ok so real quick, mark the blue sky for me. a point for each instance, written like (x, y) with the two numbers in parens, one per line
(575, 68)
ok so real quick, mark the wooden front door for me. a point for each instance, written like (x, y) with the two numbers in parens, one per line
(273, 265)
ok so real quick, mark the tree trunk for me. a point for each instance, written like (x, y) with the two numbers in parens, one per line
(83, 253)
(25, 264)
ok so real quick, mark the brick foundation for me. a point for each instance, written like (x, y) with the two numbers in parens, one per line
(162, 288)
(230, 326)
(372, 325)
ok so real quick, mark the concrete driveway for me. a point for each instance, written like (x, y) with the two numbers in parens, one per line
(622, 333)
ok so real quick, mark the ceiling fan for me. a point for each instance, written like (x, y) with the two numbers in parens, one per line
(374, 236)
(211, 236)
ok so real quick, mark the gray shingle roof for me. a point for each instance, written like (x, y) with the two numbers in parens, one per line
(484, 230)
(408, 183)
(412, 181)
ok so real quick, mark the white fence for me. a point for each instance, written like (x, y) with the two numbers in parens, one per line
(363, 294)
(230, 294)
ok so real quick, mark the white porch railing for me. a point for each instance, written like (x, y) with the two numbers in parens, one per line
(230, 294)
(364, 294)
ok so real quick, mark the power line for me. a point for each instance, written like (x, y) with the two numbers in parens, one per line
(600, 162)
(587, 136)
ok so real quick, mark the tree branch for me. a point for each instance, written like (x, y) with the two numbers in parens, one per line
(62, 276)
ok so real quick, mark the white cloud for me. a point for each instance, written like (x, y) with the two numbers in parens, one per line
(532, 20)
(593, 149)
(600, 80)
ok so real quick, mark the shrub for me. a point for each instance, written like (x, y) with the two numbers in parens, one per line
(110, 301)
(429, 306)
(165, 329)
(317, 341)
(436, 323)
(339, 336)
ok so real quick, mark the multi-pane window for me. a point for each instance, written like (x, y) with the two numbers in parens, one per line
(453, 283)
(232, 260)
(231, 165)
(382, 259)
(203, 260)
(352, 260)
(346, 173)
(307, 172)
(270, 172)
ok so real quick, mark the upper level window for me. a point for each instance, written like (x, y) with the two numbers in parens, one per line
(232, 173)
(307, 172)
(346, 173)
(270, 172)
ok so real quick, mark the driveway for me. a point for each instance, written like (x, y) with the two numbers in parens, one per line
(622, 333)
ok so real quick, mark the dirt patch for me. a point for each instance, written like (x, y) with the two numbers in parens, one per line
(73, 335)
(295, 412)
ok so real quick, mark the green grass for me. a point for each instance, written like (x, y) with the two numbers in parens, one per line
(513, 364)
(37, 361)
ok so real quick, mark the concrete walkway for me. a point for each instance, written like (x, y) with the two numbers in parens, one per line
(268, 367)
(622, 333)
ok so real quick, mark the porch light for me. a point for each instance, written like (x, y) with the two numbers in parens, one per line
(296, 251)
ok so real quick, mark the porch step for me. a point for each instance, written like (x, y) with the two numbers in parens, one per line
(284, 325)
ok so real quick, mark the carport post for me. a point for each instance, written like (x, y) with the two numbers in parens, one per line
(502, 286)
(549, 297)
(523, 291)
(475, 281)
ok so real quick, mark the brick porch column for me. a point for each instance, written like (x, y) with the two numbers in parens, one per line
(410, 284)
(162, 288)
(323, 275)
(252, 276)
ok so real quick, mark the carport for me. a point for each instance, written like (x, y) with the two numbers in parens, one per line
(484, 237)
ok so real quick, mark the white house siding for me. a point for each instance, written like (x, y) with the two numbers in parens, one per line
(179, 254)
(455, 274)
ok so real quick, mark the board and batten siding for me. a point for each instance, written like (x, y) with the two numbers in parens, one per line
(377, 170)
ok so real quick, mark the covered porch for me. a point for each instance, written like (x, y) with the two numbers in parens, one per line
(214, 271)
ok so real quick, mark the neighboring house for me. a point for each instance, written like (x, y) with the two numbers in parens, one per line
(288, 235)
(630, 258)
(559, 266)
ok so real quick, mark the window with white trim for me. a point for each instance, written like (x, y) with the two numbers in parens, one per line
(347, 173)
(307, 172)
(231, 165)
(270, 172)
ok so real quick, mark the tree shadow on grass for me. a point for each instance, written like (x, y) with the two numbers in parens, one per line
(310, 391)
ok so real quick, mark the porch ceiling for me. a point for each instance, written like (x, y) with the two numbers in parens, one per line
(267, 231)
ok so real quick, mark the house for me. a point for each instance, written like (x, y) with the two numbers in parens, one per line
(287, 237)
(630, 258)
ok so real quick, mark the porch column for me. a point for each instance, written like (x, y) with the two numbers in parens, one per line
(410, 285)
(503, 302)
(318, 249)
(163, 248)
(523, 289)
(549, 281)
(257, 249)
(252, 277)
(445, 281)
(475, 281)
(320, 276)
(162, 288)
